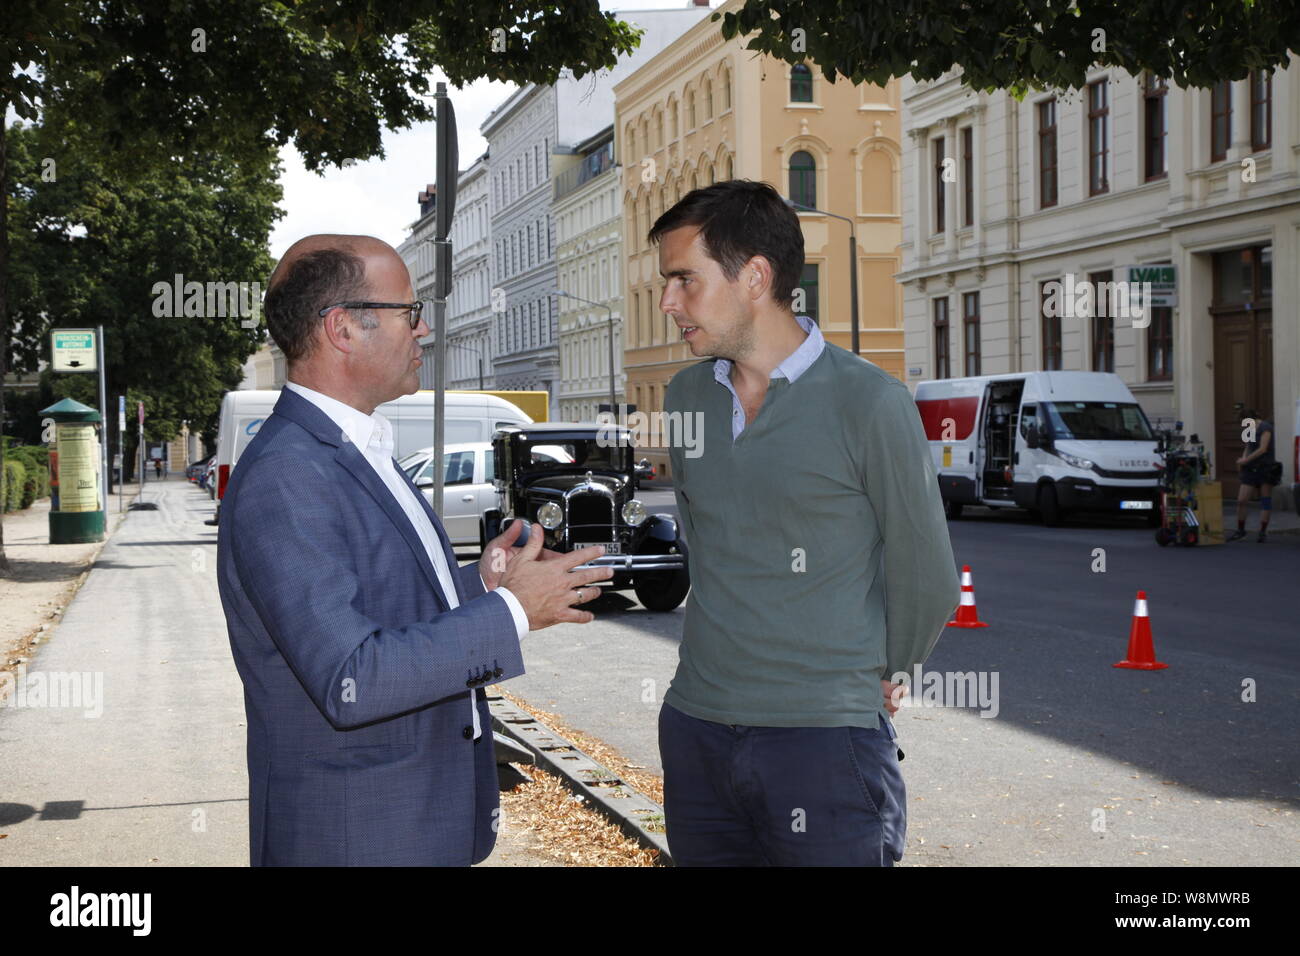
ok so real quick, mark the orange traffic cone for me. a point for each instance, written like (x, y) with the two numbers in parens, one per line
(967, 616)
(1141, 650)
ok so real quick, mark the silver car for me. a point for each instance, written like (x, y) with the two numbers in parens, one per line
(467, 489)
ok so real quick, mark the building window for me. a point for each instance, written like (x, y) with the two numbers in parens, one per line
(730, 169)
(1103, 322)
(690, 109)
(801, 84)
(1160, 344)
(726, 90)
(810, 285)
(1220, 120)
(942, 369)
(1261, 110)
(803, 178)
(970, 331)
(1051, 327)
(1098, 137)
(708, 100)
(1047, 153)
(1153, 124)
(939, 191)
(968, 175)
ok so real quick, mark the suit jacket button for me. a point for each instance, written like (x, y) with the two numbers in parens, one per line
(497, 673)
(468, 733)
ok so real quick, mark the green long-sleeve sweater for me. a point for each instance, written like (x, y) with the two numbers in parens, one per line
(819, 554)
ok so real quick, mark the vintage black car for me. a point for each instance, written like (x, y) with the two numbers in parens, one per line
(577, 482)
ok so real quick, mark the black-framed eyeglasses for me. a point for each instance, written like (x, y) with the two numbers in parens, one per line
(413, 309)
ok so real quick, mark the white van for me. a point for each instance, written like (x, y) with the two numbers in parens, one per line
(469, 417)
(1049, 442)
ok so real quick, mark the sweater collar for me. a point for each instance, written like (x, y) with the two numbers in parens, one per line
(793, 365)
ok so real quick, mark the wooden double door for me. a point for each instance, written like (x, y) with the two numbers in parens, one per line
(1243, 379)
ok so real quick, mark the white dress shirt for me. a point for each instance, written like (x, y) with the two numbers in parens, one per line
(373, 436)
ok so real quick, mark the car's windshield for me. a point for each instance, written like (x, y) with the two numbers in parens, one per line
(1099, 421)
(581, 455)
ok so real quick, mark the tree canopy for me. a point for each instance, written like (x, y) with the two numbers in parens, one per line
(1019, 45)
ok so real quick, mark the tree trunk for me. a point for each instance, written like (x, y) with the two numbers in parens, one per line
(4, 305)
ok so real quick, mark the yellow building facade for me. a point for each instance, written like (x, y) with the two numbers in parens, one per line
(704, 110)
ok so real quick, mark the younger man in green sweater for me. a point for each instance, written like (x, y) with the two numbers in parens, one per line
(819, 556)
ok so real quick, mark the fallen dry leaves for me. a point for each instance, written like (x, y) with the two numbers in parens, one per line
(638, 778)
(566, 829)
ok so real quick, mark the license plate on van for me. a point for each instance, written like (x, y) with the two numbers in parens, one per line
(1136, 505)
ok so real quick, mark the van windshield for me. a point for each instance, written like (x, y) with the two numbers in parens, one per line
(1099, 421)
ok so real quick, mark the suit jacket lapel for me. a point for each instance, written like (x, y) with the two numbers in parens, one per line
(298, 409)
(350, 457)
(447, 550)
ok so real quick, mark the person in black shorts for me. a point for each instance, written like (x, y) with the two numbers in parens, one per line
(1259, 468)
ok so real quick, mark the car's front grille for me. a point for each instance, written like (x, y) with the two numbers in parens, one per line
(1134, 474)
(591, 519)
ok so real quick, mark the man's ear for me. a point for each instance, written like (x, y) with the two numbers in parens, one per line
(338, 331)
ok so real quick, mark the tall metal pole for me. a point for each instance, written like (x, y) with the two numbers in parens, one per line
(447, 164)
(613, 401)
(853, 288)
(103, 425)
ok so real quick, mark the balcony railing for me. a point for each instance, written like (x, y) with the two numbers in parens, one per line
(592, 165)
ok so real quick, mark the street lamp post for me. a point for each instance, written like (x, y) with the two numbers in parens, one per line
(853, 268)
(478, 352)
(613, 402)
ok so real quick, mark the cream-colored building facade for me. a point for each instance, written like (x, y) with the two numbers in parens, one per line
(705, 109)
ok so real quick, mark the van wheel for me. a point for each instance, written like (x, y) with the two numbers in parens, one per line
(1049, 506)
(951, 509)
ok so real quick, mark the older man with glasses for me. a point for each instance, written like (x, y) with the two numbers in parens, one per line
(362, 645)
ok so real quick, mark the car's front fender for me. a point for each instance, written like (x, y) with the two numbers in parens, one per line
(662, 527)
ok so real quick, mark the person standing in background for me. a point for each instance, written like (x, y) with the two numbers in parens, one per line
(1259, 468)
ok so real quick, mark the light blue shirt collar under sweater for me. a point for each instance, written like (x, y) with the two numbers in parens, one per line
(794, 365)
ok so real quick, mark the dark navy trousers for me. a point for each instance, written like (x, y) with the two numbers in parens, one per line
(781, 796)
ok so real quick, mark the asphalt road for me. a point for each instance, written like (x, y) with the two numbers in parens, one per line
(1083, 763)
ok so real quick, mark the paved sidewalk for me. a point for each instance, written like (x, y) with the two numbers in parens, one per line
(159, 777)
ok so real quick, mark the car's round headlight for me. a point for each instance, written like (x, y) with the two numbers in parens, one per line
(549, 516)
(634, 513)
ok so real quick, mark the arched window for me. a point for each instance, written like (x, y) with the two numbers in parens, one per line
(673, 109)
(801, 84)
(726, 90)
(730, 171)
(803, 178)
(659, 130)
(690, 109)
(708, 99)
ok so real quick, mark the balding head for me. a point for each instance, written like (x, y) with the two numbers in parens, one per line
(314, 272)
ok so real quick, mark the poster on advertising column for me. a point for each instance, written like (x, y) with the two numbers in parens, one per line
(78, 450)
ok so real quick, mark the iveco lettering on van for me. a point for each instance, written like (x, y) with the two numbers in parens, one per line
(1049, 442)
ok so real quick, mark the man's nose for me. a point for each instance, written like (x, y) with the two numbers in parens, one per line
(666, 302)
(421, 328)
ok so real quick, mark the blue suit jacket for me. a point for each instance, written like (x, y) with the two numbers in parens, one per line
(356, 675)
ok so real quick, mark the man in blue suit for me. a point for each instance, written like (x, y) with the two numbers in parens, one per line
(361, 643)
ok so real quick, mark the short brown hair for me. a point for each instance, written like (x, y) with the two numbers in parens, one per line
(739, 219)
(309, 283)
